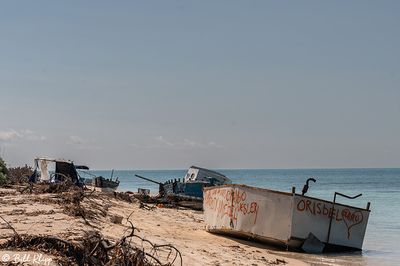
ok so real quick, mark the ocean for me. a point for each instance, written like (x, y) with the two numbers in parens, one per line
(381, 187)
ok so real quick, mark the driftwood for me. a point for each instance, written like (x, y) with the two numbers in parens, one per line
(146, 206)
(93, 248)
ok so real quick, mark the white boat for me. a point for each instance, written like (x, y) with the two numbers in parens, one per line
(198, 174)
(288, 219)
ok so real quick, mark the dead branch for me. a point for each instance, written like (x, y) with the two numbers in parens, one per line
(10, 227)
(94, 249)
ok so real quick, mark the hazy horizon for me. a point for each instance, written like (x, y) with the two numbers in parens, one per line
(227, 84)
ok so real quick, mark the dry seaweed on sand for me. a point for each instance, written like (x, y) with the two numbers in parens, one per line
(124, 196)
(95, 249)
(41, 188)
(75, 201)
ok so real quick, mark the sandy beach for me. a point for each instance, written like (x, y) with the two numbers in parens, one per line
(48, 215)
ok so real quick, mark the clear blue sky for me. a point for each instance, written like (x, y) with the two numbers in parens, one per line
(220, 84)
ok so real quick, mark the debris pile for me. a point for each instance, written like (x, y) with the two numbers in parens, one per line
(91, 248)
(171, 201)
(125, 196)
(40, 188)
(95, 249)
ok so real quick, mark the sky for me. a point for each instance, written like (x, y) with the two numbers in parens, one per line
(218, 84)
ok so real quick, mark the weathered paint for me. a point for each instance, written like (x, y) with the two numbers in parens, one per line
(283, 217)
(245, 209)
(314, 215)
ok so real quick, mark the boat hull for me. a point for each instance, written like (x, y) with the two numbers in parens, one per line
(101, 182)
(282, 218)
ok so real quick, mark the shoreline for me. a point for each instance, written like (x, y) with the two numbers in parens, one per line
(44, 214)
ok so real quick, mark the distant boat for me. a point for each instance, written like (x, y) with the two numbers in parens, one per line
(102, 182)
(192, 183)
(189, 191)
(288, 219)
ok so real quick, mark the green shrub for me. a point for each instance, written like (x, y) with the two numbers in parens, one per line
(3, 172)
(3, 179)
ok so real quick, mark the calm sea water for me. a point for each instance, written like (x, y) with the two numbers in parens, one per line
(381, 187)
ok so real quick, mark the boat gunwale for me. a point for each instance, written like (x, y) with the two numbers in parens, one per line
(336, 203)
(246, 186)
(284, 193)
